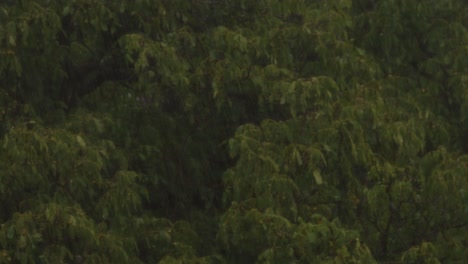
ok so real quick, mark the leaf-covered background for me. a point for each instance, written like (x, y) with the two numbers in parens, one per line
(233, 131)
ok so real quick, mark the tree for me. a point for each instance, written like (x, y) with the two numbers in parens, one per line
(233, 131)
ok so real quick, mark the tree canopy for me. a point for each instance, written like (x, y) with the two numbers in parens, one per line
(233, 131)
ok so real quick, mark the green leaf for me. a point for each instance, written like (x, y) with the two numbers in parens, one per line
(398, 138)
(80, 141)
(318, 177)
(10, 232)
(298, 157)
(12, 41)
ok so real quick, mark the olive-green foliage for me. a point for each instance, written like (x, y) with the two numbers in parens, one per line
(233, 131)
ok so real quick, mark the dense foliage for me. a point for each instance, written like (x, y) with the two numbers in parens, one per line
(233, 131)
